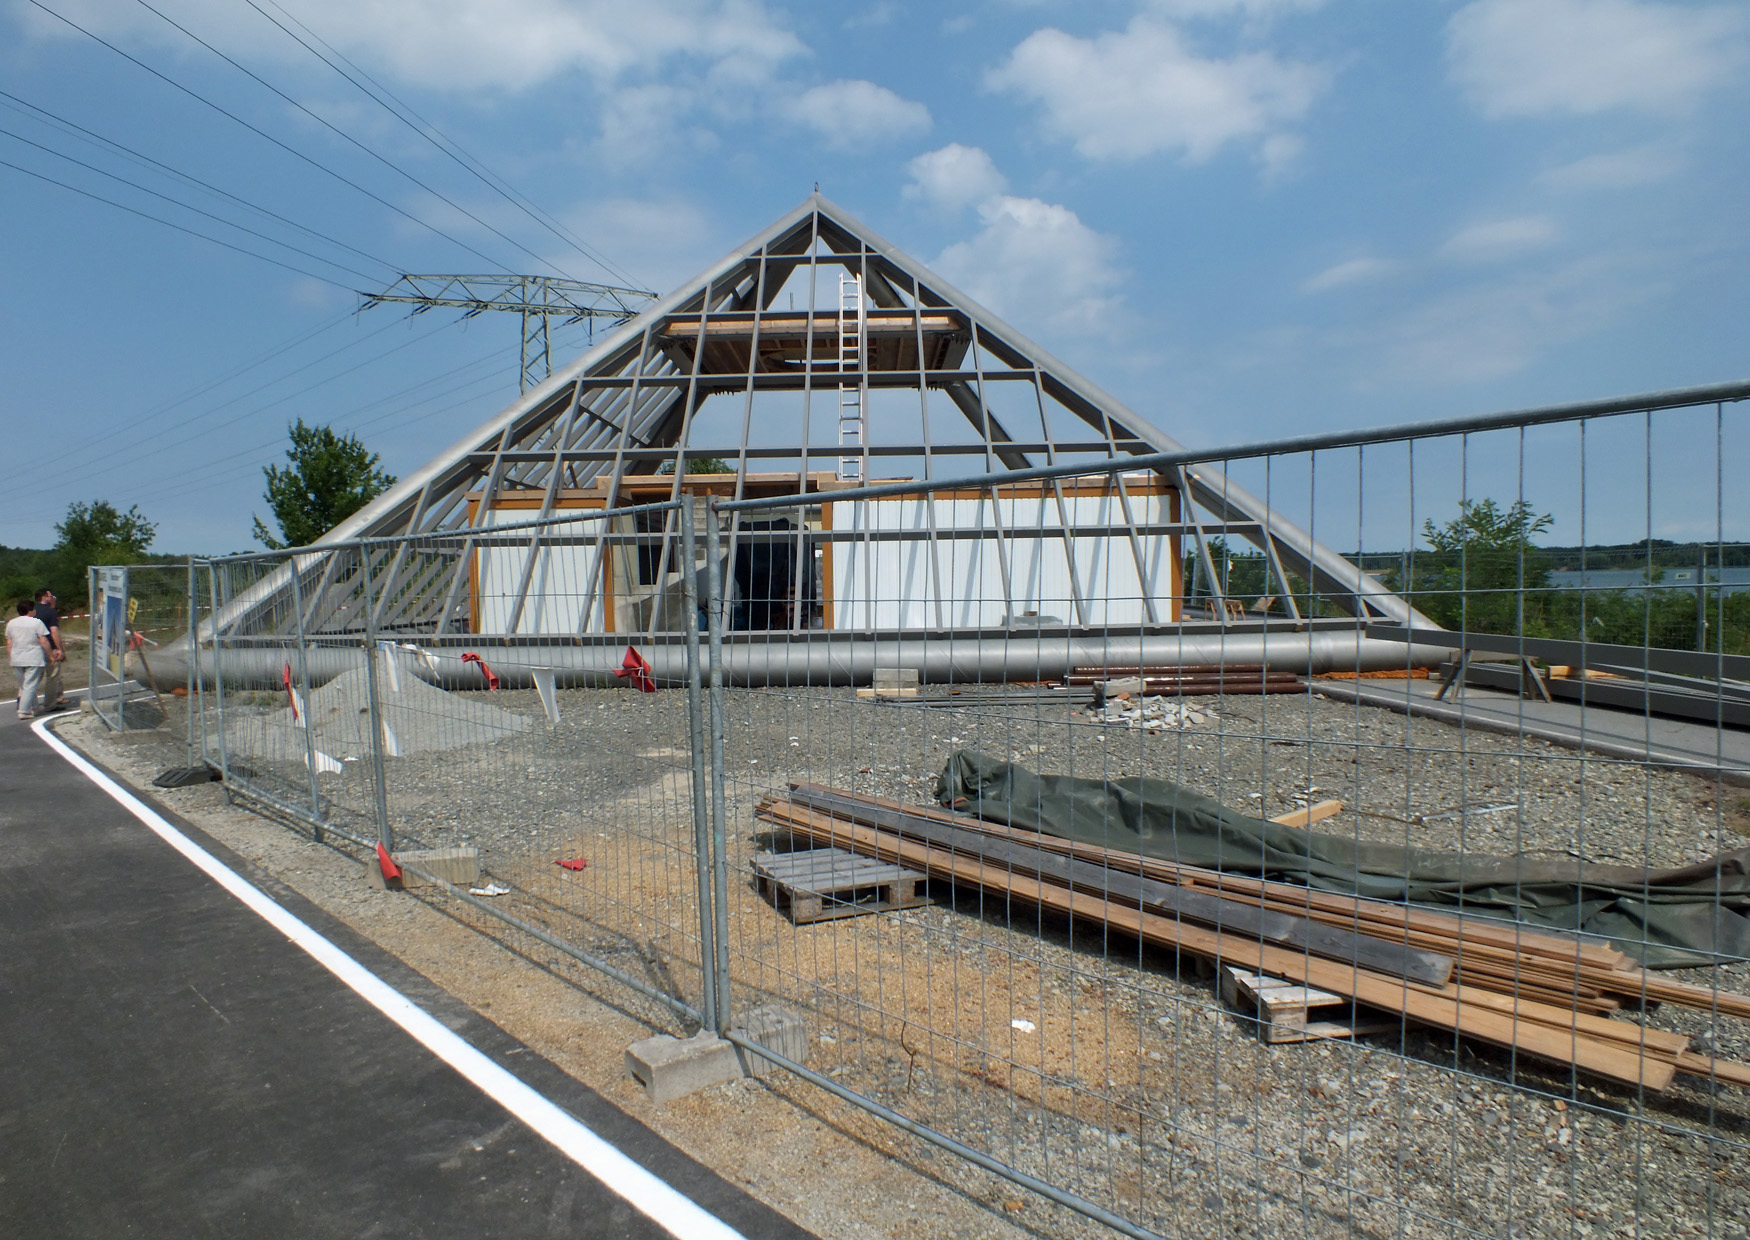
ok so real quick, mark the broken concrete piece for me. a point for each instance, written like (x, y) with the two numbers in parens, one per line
(457, 866)
(776, 1028)
(669, 1067)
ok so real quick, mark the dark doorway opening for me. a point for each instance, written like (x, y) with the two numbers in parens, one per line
(768, 589)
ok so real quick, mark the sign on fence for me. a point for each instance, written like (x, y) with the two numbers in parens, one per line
(109, 642)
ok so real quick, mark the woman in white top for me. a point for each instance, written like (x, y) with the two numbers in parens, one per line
(27, 643)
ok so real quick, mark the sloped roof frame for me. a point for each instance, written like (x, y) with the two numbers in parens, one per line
(430, 498)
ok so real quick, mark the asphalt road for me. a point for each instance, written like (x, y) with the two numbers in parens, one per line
(176, 1066)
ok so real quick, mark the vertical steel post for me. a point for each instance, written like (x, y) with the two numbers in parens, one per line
(91, 628)
(385, 834)
(696, 731)
(188, 686)
(304, 707)
(1701, 596)
(218, 679)
(197, 694)
(121, 671)
(719, 843)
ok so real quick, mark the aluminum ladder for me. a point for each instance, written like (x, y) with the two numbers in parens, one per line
(851, 381)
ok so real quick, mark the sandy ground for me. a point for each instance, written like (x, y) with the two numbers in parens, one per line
(1089, 1060)
(823, 1163)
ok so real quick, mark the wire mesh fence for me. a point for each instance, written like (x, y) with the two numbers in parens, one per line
(1180, 868)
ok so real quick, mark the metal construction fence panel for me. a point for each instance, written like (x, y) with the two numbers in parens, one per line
(162, 609)
(528, 787)
(1551, 745)
(1150, 860)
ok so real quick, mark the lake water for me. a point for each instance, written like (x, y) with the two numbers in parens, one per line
(1727, 580)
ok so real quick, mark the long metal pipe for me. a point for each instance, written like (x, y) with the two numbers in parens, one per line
(827, 658)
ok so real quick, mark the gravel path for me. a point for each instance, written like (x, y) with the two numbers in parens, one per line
(1086, 1058)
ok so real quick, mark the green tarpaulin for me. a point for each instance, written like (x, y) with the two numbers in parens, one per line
(1665, 918)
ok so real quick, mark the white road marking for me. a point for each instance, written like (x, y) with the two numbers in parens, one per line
(649, 1195)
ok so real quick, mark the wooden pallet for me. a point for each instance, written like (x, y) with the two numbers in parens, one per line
(819, 884)
(1284, 1010)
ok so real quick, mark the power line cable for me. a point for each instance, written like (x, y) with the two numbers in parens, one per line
(223, 474)
(178, 227)
(305, 391)
(17, 137)
(248, 413)
(290, 150)
(335, 129)
(210, 475)
(402, 111)
(43, 116)
(157, 433)
(246, 367)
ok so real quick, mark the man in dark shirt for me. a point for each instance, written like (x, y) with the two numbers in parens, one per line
(53, 695)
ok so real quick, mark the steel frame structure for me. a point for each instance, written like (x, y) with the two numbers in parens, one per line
(637, 403)
(539, 299)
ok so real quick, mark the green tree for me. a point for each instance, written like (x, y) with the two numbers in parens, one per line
(700, 465)
(329, 477)
(96, 533)
(1482, 571)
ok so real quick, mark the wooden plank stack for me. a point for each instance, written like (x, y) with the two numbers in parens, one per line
(1542, 994)
(1192, 680)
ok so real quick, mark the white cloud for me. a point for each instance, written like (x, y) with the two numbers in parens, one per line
(1251, 9)
(1038, 263)
(1640, 165)
(1498, 239)
(1554, 57)
(448, 44)
(1354, 271)
(852, 112)
(1142, 91)
(954, 176)
(1486, 332)
(663, 240)
(640, 124)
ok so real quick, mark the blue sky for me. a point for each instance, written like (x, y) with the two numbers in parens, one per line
(1245, 218)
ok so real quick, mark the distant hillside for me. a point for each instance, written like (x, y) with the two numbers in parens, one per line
(1662, 553)
(25, 570)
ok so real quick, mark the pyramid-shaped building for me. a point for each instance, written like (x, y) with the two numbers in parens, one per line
(815, 358)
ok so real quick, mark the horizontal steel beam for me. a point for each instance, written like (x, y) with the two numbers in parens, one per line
(825, 375)
(1596, 655)
(782, 452)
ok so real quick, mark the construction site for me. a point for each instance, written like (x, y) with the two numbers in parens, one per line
(881, 725)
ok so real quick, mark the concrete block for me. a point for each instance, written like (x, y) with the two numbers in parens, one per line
(896, 678)
(460, 866)
(780, 1029)
(669, 1067)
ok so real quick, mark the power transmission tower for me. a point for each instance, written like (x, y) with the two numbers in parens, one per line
(539, 299)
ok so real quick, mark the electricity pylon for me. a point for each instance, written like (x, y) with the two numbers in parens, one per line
(538, 299)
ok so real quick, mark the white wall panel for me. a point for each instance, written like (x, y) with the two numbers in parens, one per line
(1091, 577)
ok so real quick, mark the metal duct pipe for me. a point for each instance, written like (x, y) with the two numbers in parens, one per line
(753, 660)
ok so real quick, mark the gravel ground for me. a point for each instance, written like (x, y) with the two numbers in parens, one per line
(1088, 1059)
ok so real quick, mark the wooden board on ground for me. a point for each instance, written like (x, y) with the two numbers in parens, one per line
(819, 884)
(1311, 814)
(1283, 1011)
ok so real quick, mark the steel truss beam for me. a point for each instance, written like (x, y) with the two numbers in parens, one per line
(639, 399)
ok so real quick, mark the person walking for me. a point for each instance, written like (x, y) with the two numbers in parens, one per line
(27, 644)
(54, 695)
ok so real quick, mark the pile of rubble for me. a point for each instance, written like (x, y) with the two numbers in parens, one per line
(1147, 714)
